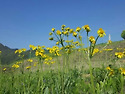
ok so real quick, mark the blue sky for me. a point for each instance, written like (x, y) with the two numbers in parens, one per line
(24, 22)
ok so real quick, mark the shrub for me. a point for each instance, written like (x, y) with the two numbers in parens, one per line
(123, 34)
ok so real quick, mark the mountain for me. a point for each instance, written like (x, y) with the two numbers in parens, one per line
(7, 56)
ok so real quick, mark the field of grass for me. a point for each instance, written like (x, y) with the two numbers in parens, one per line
(69, 68)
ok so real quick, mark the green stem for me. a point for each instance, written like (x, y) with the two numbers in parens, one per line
(93, 47)
(90, 67)
(122, 84)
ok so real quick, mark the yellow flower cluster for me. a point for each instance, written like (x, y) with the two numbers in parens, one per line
(111, 71)
(107, 49)
(30, 60)
(0, 52)
(20, 50)
(48, 60)
(119, 54)
(96, 50)
(33, 47)
(40, 51)
(19, 62)
(15, 66)
(54, 50)
(119, 48)
(122, 70)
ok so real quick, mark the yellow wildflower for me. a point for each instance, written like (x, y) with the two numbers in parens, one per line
(74, 34)
(101, 32)
(15, 66)
(109, 42)
(87, 28)
(51, 38)
(121, 68)
(57, 43)
(92, 39)
(66, 33)
(35, 63)
(111, 72)
(50, 33)
(119, 54)
(18, 62)
(5, 69)
(67, 29)
(71, 31)
(58, 32)
(28, 67)
(80, 37)
(30, 60)
(53, 29)
(108, 68)
(96, 50)
(52, 62)
(63, 26)
(78, 29)
(122, 71)
(23, 49)
(0, 52)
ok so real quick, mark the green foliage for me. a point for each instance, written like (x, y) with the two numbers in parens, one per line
(123, 34)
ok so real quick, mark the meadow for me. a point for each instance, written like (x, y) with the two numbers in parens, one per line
(68, 67)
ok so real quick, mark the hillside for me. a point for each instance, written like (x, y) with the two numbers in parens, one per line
(108, 51)
(8, 55)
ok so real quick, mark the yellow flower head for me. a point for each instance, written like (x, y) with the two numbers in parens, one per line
(51, 38)
(87, 28)
(28, 67)
(92, 39)
(122, 71)
(67, 29)
(0, 52)
(63, 26)
(78, 29)
(23, 49)
(119, 54)
(57, 43)
(5, 69)
(101, 32)
(15, 66)
(50, 33)
(108, 68)
(53, 29)
(30, 60)
(35, 63)
(71, 31)
(80, 37)
(111, 72)
(109, 42)
(58, 32)
(66, 33)
(96, 50)
(74, 34)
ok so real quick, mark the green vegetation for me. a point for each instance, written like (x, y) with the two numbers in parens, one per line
(69, 69)
(123, 34)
